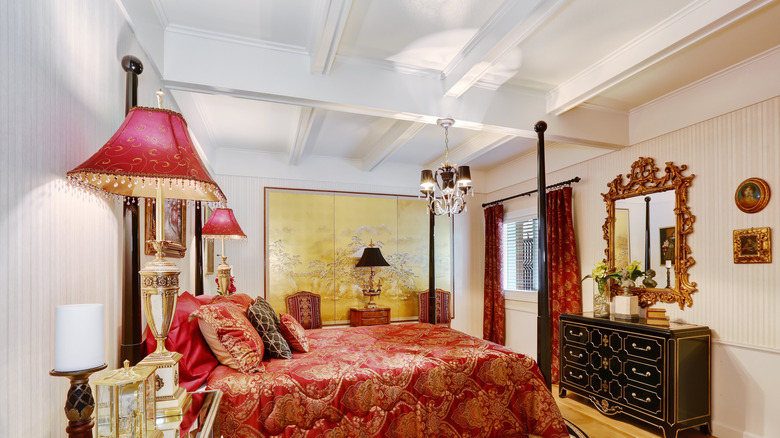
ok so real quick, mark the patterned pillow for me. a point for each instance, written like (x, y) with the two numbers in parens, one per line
(293, 333)
(231, 336)
(266, 323)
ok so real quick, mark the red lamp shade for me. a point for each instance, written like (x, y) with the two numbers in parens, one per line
(222, 224)
(151, 147)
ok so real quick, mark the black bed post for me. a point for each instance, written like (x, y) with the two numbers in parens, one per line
(543, 328)
(431, 268)
(198, 249)
(131, 283)
(647, 233)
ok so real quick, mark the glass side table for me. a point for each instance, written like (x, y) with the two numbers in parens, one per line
(200, 421)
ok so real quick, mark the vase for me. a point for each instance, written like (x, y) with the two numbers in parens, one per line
(600, 299)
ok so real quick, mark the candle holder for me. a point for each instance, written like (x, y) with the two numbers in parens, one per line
(80, 404)
(668, 277)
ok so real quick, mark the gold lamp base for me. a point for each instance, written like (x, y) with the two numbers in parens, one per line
(223, 277)
(159, 294)
(371, 303)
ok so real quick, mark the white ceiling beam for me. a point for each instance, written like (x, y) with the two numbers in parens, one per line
(398, 135)
(509, 27)
(253, 72)
(693, 23)
(328, 37)
(308, 119)
(476, 146)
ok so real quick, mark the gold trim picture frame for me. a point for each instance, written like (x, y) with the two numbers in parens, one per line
(753, 245)
(752, 195)
(174, 230)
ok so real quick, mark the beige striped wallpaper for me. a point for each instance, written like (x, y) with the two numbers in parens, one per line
(739, 302)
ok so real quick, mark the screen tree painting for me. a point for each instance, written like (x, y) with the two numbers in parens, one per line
(314, 239)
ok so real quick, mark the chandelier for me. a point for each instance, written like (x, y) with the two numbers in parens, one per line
(446, 189)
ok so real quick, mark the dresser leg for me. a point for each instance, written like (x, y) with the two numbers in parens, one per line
(706, 429)
(561, 392)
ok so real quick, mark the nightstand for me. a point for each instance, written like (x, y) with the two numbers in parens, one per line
(200, 421)
(362, 317)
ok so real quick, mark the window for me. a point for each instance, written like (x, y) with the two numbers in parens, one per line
(521, 252)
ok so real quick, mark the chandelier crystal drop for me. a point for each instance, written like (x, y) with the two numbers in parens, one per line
(446, 189)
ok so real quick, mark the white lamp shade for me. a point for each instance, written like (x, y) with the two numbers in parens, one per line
(78, 337)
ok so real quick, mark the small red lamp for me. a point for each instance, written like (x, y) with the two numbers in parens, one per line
(223, 225)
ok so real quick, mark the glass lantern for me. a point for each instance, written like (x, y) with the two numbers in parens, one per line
(125, 401)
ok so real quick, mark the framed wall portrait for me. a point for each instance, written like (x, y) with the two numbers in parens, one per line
(752, 195)
(174, 227)
(666, 240)
(753, 245)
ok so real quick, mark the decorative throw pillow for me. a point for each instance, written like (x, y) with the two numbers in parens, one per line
(231, 336)
(293, 333)
(241, 300)
(266, 323)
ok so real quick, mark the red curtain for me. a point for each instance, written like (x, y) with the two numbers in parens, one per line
(494, 324)
(563, 267)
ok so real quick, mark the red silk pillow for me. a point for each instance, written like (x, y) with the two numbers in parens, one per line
(293, 333)
(185, 337)
(231, 336)
(241, 300)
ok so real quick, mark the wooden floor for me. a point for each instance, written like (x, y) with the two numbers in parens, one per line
(581, 412)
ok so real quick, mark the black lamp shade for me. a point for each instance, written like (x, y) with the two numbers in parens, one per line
(464, 175)
(372, 256)
(426, 179)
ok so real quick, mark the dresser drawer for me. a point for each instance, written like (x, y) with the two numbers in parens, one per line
(645, 374)
(574, 354)
(575, 376)
(373, 321)
(368, 314)
(643, 347)
(643, 399)
(575, 333)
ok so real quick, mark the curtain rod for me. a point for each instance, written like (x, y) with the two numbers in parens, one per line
(576, 179)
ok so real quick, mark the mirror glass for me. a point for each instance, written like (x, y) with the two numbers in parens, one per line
(653, 232)
(651, 242)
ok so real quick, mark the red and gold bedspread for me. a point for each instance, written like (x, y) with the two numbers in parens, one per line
(408, 380)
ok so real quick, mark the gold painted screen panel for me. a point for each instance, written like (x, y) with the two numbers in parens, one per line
(313, 239)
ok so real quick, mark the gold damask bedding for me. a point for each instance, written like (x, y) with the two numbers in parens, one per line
(408, 380)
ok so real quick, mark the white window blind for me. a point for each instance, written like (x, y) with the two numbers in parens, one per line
(521, 249)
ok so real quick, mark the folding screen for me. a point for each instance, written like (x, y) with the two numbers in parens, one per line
(313, 241)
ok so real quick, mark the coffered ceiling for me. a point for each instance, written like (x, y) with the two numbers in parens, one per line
(364, 81)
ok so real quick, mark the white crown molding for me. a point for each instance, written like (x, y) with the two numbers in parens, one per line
(688, 26)
(160, 11)
(706, 80)
(235, 39)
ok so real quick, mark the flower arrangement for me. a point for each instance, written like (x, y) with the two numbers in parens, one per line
(625, 276)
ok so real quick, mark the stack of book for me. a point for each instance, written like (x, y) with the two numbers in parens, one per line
(657, 317)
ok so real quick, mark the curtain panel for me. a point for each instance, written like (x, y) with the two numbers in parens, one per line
(563, 266)
(494, 323)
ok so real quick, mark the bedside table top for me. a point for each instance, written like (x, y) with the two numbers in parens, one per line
(200, 419)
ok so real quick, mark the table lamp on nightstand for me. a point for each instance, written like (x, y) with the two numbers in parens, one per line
(371, 258)
(223, 225)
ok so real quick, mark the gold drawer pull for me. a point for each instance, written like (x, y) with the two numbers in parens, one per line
(576, 377)
(578, 356)
(647, 400)
(640, 349)
(647, 374)
(571, 332)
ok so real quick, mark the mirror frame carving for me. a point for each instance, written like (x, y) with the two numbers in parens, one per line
(642, 180)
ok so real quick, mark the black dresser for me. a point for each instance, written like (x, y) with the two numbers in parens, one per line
(660, 375)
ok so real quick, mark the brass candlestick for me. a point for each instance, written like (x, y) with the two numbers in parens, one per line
(80, 404)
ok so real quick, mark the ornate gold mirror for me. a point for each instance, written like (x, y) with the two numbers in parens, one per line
(648, 219)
